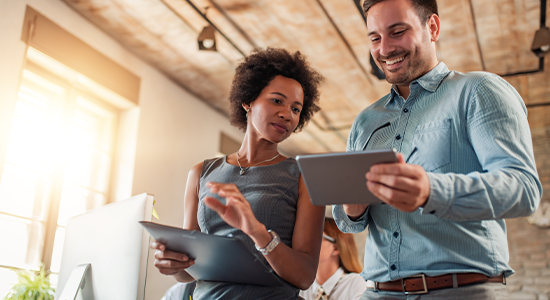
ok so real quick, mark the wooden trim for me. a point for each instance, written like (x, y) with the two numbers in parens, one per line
(54, 41)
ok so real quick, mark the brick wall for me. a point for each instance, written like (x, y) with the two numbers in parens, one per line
(530, 245)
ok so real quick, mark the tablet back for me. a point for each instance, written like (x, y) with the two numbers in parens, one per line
(339, 178)
(217, 258)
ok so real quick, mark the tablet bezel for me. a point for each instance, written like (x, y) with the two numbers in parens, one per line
(217, 258)
(339, 178)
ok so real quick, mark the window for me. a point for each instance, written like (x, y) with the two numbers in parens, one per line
(60, 162)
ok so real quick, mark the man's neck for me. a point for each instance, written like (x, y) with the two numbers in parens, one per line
(404, 91)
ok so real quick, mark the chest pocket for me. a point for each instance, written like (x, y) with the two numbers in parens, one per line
(432, 144)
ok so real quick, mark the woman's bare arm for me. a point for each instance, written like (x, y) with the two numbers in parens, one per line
(174, 263)
(297, 265)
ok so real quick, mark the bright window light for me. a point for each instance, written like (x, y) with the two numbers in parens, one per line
(57, 165)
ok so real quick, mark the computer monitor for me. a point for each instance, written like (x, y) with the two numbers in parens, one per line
(110, 248)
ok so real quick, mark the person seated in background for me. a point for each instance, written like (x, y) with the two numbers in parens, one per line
(337, 274)
(256, 194)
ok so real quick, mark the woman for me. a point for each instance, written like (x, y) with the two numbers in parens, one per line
(337, 275)
(245, 194)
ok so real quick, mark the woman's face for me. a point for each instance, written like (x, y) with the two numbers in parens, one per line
(327, 250)
(276, 112)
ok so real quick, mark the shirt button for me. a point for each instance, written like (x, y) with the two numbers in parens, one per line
(396, 234)
(398, 137)
(432, 212)
(393, 267)
(405, 110)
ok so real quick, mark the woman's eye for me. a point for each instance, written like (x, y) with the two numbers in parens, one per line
(296, 110)
(276, 100)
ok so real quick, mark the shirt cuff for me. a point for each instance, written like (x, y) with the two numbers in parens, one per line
(441, 195)
(345, 224)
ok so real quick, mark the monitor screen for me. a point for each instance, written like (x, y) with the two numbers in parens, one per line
(115, 245)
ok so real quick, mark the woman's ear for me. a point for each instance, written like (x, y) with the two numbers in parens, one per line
(246, 107)
(335, 252)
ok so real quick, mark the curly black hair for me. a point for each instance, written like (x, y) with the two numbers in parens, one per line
(257, 70)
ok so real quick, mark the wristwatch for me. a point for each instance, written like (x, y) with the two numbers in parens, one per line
(274, 242)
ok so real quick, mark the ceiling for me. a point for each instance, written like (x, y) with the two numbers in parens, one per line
(490, 35)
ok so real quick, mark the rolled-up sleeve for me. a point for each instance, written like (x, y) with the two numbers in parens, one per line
(508, 186)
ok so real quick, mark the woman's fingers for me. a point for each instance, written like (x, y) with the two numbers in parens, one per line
(167, 254)
(157, 246)
(170, 262)
(171, 267)
(215, 205)
(224, 189)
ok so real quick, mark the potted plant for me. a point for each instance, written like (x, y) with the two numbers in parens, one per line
(32, 285)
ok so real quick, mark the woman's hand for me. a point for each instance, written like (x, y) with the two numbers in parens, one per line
(170, 262)
(237, 211)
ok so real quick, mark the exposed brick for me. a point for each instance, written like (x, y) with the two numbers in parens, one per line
(522, 296)
(535, 264)
(511, 288)
(516, 265)
(538, 256)
(532, 272)
(542, 281)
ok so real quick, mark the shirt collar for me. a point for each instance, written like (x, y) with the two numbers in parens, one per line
(429, 81)
(329, 285)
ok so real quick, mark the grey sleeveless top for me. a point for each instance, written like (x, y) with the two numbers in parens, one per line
(273, 195)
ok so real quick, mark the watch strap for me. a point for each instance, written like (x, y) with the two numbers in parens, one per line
(274, 242)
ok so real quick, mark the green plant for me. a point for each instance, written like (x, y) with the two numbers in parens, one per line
(32, 285)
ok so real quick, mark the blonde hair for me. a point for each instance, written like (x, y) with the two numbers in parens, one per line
(345, 243)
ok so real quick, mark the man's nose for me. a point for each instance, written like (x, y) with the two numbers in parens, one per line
(385, 47)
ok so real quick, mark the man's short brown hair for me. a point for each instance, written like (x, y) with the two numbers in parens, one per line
(424, 8)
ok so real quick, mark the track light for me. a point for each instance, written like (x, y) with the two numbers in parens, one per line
(207, 39)
(541, 42)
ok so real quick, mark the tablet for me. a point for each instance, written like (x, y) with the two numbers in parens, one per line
(339, 178)
(217, 258)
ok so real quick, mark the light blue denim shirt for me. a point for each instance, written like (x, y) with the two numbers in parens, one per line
(470, 133)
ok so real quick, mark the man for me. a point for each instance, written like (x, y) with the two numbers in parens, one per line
(465, 163)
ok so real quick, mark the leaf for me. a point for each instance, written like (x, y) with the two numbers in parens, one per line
(31, 285)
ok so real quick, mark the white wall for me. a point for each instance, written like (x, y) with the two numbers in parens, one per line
(175, 129)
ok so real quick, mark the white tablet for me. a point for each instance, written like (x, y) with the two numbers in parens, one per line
(217, 258)
(339, 178)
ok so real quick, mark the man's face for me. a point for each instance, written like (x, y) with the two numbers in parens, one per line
(402, 46)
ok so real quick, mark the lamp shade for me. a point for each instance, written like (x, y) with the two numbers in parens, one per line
(541, 42)
(207, 39)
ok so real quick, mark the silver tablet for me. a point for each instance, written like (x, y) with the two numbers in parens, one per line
(217, 258)
(339, 178)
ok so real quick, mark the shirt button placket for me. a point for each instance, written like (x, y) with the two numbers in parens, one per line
(394, 244)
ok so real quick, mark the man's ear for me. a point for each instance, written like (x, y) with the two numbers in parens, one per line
(434, 26)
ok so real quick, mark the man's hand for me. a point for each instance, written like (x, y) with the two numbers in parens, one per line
(401, 185)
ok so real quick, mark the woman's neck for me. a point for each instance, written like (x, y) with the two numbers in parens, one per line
(325, 270)
(256, 149)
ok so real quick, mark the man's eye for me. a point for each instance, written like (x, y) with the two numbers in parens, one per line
(399, 32)
(374, 40)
